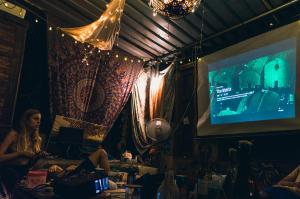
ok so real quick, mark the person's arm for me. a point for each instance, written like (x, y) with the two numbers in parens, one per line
(7, 142)
(290, 179)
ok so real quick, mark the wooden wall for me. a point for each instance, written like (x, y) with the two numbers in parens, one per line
(12, 41)
(185, 112)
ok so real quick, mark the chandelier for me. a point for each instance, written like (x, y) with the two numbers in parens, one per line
(174, 9)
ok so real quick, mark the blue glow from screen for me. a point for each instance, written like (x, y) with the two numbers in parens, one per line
(254, 86)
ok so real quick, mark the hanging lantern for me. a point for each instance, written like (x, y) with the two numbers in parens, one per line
(174, 9)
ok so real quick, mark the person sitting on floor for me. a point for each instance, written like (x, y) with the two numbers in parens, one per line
(19, 147)
(97, 158)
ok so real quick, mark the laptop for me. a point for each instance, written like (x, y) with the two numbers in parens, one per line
(67, 143)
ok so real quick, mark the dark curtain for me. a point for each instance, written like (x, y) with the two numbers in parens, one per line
(86, 84)
(33, 89)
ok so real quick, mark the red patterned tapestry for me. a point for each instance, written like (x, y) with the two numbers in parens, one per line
(87, 84)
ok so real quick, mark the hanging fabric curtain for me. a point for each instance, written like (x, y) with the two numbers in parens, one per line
(86, 84)
(103, 32)
(152, 97)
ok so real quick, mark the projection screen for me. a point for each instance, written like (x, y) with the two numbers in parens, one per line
(251, 87)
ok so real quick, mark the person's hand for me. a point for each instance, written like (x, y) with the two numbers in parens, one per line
(71, 168)
(55, 169)
(27, 154)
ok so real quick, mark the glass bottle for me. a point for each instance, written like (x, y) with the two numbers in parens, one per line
(168, 188)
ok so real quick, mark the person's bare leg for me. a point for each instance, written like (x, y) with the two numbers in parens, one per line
(100, 157)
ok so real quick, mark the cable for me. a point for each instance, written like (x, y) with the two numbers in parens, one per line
(43, 190)
(195, 61)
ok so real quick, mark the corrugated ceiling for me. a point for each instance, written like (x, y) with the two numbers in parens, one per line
(221, 23)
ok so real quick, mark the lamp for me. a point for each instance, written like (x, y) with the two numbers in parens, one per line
(174, 9)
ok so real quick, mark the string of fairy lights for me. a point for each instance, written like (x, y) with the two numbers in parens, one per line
(89, 49)
(21, 12)
(8, 5)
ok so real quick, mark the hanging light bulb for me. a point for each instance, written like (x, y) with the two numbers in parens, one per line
(174, 9)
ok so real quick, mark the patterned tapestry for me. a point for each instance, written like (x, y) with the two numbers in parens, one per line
(89, 85)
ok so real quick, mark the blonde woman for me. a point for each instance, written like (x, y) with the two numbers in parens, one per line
(21, 145)
(18, 148)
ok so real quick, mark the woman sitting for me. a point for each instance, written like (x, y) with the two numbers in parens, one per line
(19, 148)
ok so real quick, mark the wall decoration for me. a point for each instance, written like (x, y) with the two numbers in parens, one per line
(89, 85)
(103, 32)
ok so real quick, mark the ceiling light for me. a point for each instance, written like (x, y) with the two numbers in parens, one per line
(174, 9)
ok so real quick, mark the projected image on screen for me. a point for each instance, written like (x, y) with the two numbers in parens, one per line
(257, 85)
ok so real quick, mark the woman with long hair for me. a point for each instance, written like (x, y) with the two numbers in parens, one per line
(19, 147)
(24, 142)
